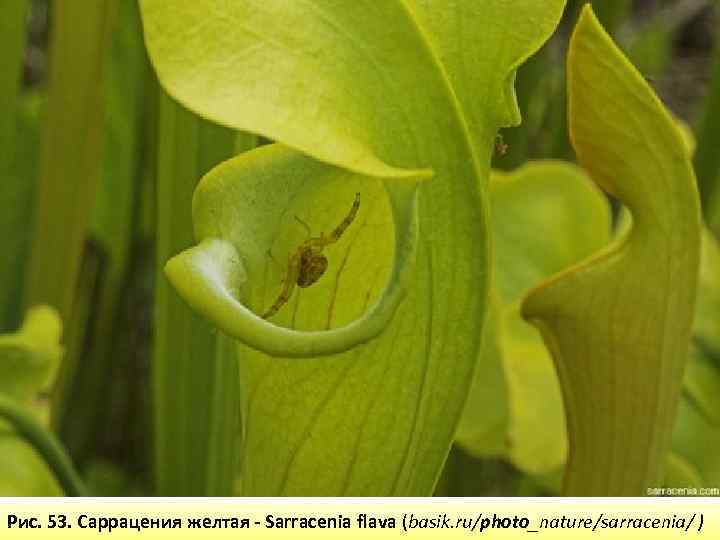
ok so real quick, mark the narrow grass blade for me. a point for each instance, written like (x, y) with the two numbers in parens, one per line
(72, 151)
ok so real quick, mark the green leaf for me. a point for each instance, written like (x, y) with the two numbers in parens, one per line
(482, 431)
(71, 156)
(12, 47)
(543, 200)
(195, 380)
(16, 191)
(382, 93)
(536, 439)
(16, 201)
(698, 420)
(231, 218)
(91, 364)
(618, 325)
(23, 473)
(28, 361)
(25, 426)
(540, 201)
(29, 357)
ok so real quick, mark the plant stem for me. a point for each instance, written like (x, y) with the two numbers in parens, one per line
(46, 445)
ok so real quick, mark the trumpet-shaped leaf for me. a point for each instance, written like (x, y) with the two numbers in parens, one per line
(355, 386)
(618, 325)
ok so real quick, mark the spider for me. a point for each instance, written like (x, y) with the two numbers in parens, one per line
(308, 264)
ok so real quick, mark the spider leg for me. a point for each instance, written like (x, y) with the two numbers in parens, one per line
(288, 287)
(305, 226)
(317, 243)
(285, 295)
(338, 231)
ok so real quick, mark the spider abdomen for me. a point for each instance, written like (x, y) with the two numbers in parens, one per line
(312, 267)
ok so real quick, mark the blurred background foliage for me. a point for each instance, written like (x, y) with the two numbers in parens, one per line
(98, 168)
